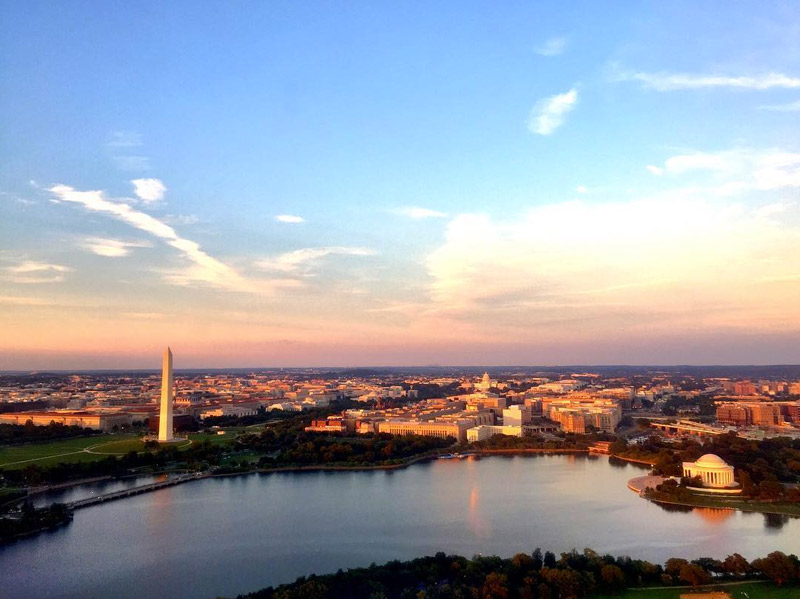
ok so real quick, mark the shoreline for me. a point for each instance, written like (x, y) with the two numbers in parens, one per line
(746, 509)
(417, 460)
(311, 468)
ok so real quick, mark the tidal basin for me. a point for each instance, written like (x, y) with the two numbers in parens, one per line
(224, 536)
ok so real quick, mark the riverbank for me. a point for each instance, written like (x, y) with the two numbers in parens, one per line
(640, 484)
(318, 468)
(290, 525)
(743, 505)
(650, 463)
(30, 522)
(410, 462)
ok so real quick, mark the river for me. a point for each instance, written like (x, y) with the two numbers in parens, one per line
(224, 536)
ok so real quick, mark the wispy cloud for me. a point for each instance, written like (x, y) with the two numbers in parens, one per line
(13, 300)
(31, 271)
(301, 260)
(790, 107)
(112, 248)
(418, 213)
(123, 148)
(582, 189)
(739, 169)
(205, 269)
(149, 190)
(665, 81)
(619, 267)
(549, 113)
(656, 170)
(125, 139)
(289, 218)
(181, 219)
(552, 47)
(132, 163)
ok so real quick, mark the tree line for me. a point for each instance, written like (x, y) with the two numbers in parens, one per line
(762, 467)
(17, 434)
(528, 576)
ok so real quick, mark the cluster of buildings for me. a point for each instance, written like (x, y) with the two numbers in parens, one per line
(484, 411)
(463, 406)
(747, 412)
(109, 403)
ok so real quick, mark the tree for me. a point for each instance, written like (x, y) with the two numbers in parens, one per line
(612, 576)
(694, 575)
(776, 566)
(674, 565)
(538, 560)
(522, 562)
(495, 587)
(736, 565)
(313, 589)
(709, 564)
(770, 490)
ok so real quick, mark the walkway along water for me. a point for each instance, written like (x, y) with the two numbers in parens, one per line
(136, 490)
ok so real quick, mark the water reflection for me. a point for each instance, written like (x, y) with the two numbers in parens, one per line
(670, 507)
(617, 463)
(775, 521)
(225, 536)
(84, 491)
(714, 515)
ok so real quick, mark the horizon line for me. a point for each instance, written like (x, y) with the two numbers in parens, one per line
(384, 367)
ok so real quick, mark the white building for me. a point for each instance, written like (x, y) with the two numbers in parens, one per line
(483, 432)
(517, 415)
(712, 470)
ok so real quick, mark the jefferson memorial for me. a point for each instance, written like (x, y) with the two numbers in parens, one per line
(715, 473)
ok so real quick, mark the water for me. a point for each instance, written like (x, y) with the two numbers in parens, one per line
(227, 536)
(104, 487)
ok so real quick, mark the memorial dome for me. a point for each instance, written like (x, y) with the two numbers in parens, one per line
(711, 460)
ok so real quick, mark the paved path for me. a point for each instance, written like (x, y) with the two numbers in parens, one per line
(640, 483)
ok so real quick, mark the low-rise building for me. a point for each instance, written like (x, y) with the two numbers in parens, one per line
(457, 429)
(485, 431)
(102, 421)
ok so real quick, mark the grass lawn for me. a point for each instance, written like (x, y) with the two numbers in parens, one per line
(120, 446)
(213, 438)
(39, 451)
(99, 447)
(749, 590)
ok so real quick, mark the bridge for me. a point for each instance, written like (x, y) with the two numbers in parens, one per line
(170, 482)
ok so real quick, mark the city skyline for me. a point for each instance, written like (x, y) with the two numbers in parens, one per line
(346, 186)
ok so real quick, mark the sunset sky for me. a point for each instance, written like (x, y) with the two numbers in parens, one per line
(399, 183)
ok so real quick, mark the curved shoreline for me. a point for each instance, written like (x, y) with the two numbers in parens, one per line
(632, 460)
(749, 510)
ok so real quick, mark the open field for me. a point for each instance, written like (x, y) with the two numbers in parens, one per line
(229, 436)
(120, 446)
(748, 590)
(87, 449)
(52, 452)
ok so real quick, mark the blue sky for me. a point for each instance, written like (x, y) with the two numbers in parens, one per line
(465, 184)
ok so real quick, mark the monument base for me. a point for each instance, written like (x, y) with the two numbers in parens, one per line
(167, 442)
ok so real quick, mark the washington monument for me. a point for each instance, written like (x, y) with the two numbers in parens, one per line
(167, 395)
